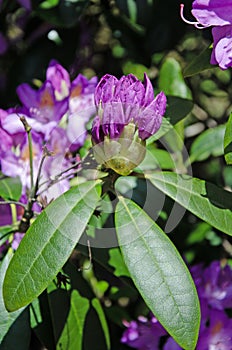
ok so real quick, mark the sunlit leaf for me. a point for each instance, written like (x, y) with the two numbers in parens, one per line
(10, 188)
(48, 244)
(158, 272)
(72, 334)
(207, 201)
(98, 308)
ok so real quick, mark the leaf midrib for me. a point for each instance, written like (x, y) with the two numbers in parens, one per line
(154, 259)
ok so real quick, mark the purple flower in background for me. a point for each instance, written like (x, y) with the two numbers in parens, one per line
(81, 109)
(127, 114)
(59, 78)
(216, 285)
(58, 162)
(214, 289)
(80, 94)
(143, 334)
(42, 104)
(16, 162)
(3, 44)
(25, 3)
(218, 335)
(218, 14)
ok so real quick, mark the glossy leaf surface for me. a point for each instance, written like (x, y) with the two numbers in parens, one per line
(205, 200)
(48, 244)
(158, 272)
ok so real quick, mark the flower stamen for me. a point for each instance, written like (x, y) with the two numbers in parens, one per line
(195, 24)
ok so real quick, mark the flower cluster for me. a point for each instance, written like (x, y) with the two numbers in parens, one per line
(57, 113)
(127, 114)
(216, 14)
(215, 294)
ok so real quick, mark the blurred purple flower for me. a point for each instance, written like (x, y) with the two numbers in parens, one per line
(59, 78)
(218, 14)
(25, 3)
(42, 104)
(81, 109)
(3, 44)
(18, 236)
(216, 285)
(124, 101)
(143, 334)
(58, 144)
(214, 289)
(218, 335)
(16, 162)
(80, 96)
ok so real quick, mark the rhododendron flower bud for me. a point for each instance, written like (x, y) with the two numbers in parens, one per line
(127, 114)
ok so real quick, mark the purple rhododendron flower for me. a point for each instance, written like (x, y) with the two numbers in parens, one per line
(143, 334)
(216, 285)
(218, 335)
(127, 114)
(218, 14)
(42, 104)
(120, 102)
(81, 109)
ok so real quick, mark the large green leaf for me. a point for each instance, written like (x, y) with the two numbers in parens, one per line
(207, 201)
(10, 188)
(228, 141)
(14, 326)
(48, 244)
(158, 272)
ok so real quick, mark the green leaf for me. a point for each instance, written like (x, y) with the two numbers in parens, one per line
(117, 262)
(98, 308)
(199, 64)
(48, 244)
(10, 188)
(228, 141)
(159, 273)
(14, 327)
(47, 4)
(171, 80)
(205, 200)
(177, 109)
(209, 142)
(72, 334)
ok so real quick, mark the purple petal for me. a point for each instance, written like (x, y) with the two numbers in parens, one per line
(96, 132)
(76, 131)
(222, 48)
(150, 119)
(59, 78)
(27, 95)
(213, 12)
(149, 92)
(105, 89)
